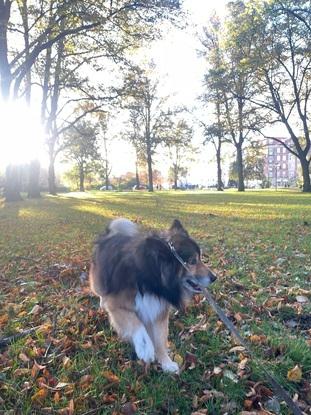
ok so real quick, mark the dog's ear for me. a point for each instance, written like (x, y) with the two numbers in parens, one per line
(177, 227)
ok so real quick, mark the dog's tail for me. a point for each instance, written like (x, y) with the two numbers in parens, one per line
(122, 226)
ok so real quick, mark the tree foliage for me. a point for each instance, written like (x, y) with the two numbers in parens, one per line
(82, 148)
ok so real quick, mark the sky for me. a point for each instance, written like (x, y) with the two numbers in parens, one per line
(181, 71)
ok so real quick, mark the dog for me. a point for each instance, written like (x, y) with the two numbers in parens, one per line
(139, 277)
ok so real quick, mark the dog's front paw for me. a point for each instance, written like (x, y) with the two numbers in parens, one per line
(143, 345)
(170, 366)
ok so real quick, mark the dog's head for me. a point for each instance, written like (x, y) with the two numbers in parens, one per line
(194, 274)
(172, 266)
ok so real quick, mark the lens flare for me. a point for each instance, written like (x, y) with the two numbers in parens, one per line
(21, 134)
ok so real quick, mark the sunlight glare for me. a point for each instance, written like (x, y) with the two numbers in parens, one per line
(21, 134)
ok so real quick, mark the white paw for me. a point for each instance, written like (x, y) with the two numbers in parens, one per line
(143, 345)
(170, 366)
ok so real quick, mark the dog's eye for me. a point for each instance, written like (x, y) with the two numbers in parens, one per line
(192, 261)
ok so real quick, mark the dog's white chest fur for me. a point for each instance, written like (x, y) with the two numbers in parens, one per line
(149, 307)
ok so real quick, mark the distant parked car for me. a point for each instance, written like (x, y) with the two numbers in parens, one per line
(140, 187)
(106, 188)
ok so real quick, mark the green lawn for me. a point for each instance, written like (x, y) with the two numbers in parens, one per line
(259, 244)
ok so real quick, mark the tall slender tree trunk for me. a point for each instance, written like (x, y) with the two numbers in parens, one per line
(149, 151)
(81, 178)
(219, 171)
(12, 185)
(150, 173)
(34, 180)
(23, 8)
(137, 175)
(107, 175)
(220, 186)
(305, 167)
(5, 71)
(240, 168)
(51, 175)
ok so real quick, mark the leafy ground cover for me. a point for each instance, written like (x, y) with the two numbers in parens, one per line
(72, 362)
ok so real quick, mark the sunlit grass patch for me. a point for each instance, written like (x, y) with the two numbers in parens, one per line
(258, 243)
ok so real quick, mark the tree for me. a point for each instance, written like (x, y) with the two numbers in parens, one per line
(215, 92)
(46, 27)
(12, 185)
(105, 167)
(147, 108)
(135, 136)
(282, 64)
(180, 149)
(255, 159)
(82, 148)
(70, 34)
(242, 117)
(34, 179)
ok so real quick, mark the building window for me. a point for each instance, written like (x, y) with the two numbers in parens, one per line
(278, 157)
(278, 150)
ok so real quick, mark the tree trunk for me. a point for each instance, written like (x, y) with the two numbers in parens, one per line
(106, 178)
(34, 180)
(150, 173)
(305, 166)
(137, 177)
(240, 168)
(219, 171)
(51, 176)
(175, 172)
(81, 178)
(12, 185)
(175, 182)
(5, 71)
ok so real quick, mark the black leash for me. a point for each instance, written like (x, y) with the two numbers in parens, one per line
(279, 390)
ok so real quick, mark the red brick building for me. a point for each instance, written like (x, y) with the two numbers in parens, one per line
(281, 168)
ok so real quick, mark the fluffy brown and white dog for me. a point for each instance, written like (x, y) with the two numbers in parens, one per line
(138, 277)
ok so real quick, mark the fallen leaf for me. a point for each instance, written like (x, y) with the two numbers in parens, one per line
(57, 397)
(111, 377)
(302, 298)
(71, 407)
(178, 359)
(36, 310)
(85, 381)
(66, 362)
(217, 370)
(258, 339)
(36, 369)
(61, 385)
(21, 372)
(39, 396)
(230, 375)
(3, 320)
(237, 349)
(129, 408)
(24, 357)
(295, 374)
(109, 398)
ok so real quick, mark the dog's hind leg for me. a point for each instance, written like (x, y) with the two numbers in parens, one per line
(129, 327)
(159, 333)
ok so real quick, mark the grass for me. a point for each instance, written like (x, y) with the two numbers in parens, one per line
(258, 243)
